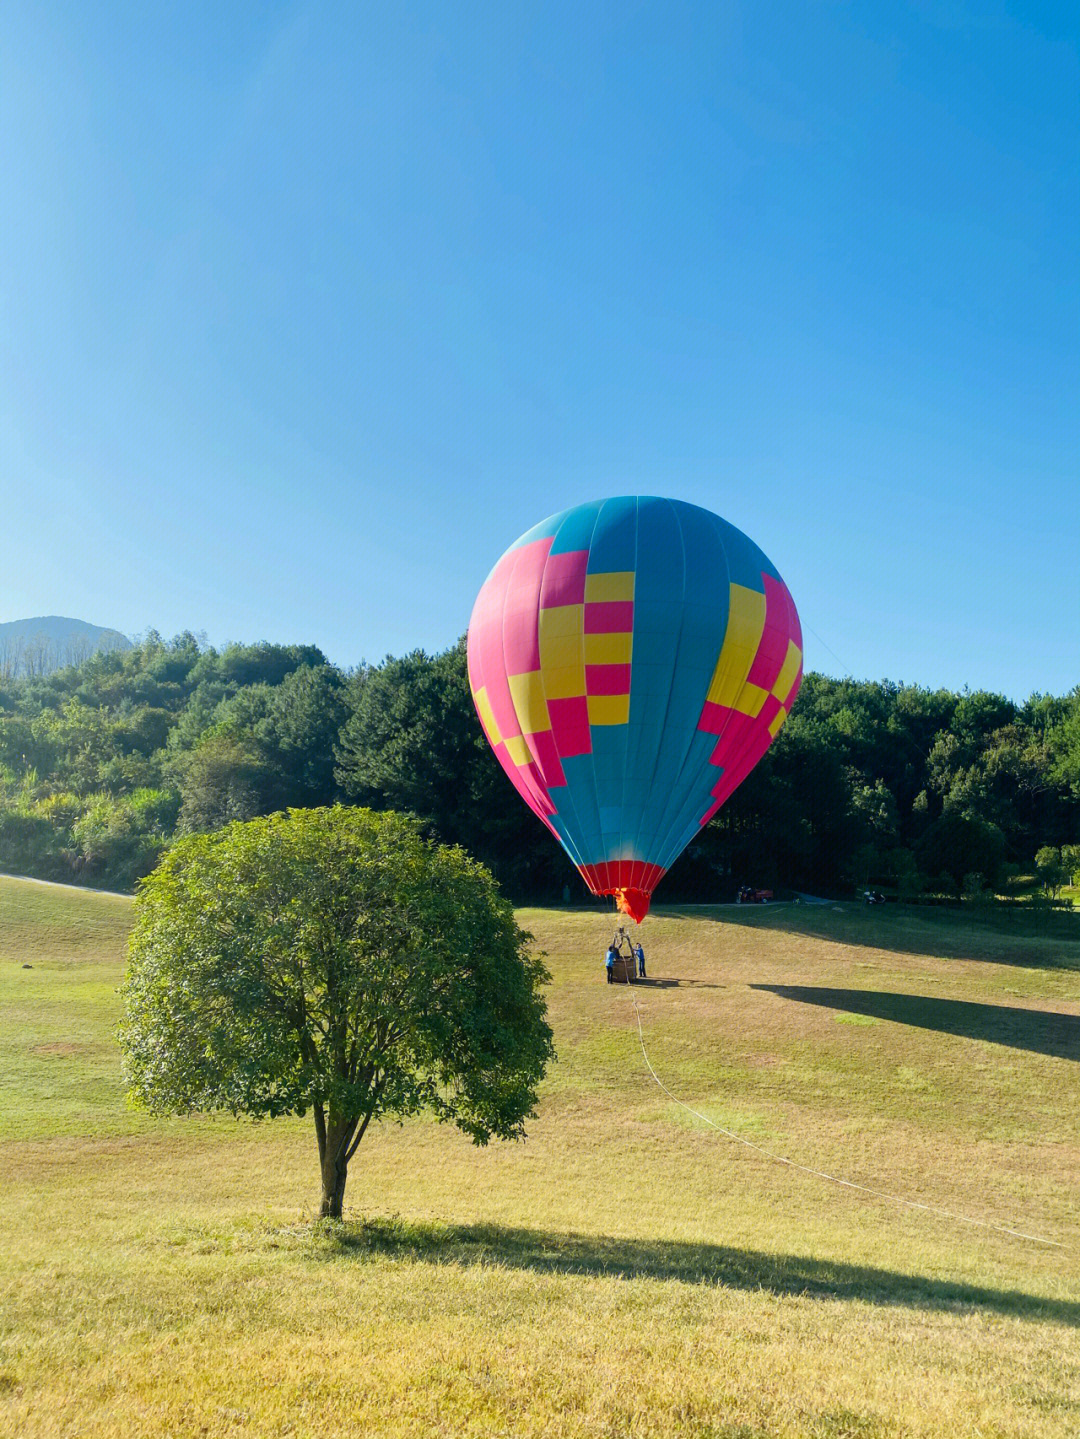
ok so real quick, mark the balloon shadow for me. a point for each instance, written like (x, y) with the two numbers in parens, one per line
(649, 983)
(1039, 1030)
(551, 1252)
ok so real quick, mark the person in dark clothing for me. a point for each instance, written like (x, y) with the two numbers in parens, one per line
(640, 961)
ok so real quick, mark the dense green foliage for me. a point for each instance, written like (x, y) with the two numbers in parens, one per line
(332, 960)
(103, 765)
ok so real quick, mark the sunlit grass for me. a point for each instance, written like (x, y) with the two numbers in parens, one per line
(625, 1272)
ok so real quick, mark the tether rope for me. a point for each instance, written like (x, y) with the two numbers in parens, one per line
(820, 1173)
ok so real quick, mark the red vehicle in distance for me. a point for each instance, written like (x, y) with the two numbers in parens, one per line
(748, 895)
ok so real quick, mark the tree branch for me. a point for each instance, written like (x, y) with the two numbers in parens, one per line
(379, 1087)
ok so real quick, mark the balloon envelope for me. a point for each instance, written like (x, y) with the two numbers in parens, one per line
(631, 660)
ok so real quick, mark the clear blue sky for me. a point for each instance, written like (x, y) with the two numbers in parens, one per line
(308, 311)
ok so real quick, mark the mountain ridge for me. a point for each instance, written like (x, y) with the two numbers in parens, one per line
(44, 643)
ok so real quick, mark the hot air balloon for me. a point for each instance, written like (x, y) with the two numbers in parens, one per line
(631, 660)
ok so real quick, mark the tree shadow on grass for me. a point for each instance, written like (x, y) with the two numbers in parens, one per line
(1039, 1030)
(1033, 941)
(597, 1255)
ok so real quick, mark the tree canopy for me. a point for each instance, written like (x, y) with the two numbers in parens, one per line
(331, 960)
(105, 763)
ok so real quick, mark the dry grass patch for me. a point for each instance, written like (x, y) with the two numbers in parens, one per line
(626, 1272)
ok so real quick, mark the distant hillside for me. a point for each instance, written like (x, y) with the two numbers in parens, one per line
(51, 642)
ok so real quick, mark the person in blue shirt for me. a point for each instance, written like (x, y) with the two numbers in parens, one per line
(612, 956)
(640, 961)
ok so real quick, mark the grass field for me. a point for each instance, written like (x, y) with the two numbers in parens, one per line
(625, 1272)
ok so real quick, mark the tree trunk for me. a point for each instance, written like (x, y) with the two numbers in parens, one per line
(334, 1175)
(334, 1136)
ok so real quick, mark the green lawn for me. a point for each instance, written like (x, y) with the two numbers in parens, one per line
(625, 1272)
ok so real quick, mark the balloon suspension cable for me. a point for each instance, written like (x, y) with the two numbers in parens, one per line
(821, 1173)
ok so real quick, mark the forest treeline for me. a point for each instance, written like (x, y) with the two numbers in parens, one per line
(869, 783)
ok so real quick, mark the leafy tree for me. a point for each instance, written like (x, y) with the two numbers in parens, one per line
(1064, 743)
(79, 739)
(196, 717)
(873, 828)
(223, 779)
(17, 742)
(306, 713)
(977, 715)
(1022, 793)
(331, 960)
(172, 663)
(141, 729)
(124, 837)
(904, 873)
(1051, 870)
(242, 712)
(254, 664)
(790, 817)
(956, 845)
(412, 739)
(32, 843)
(413, 742)
(125, 773)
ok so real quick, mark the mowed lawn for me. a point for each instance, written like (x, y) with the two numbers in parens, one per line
(625, 1272)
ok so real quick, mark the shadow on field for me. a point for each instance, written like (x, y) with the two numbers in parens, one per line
(596, 1255)
(1034, 941)
(1039, 1030)
(650, 983)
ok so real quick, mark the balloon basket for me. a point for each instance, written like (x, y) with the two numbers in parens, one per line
(624, 970)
